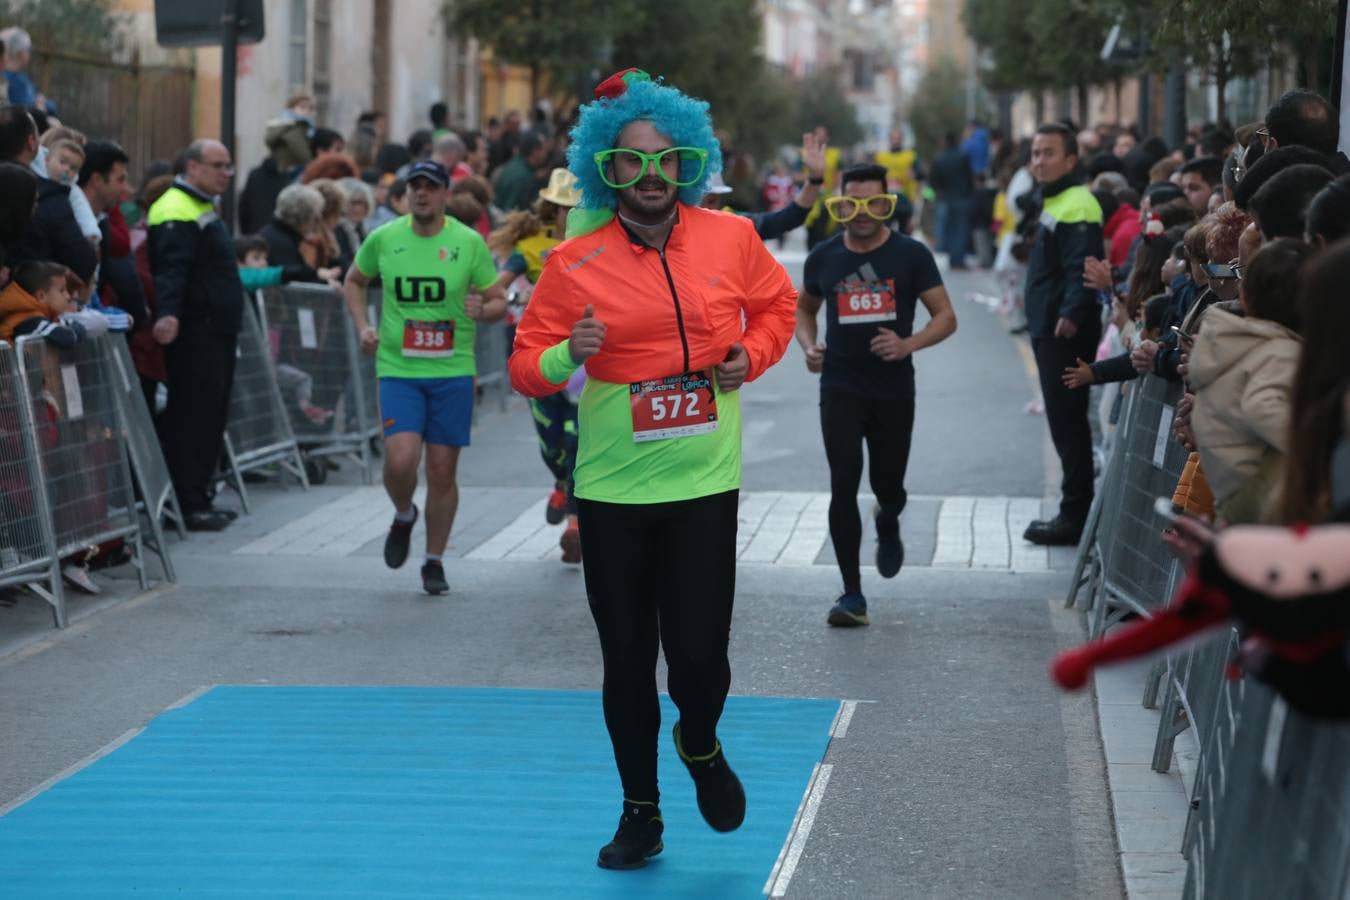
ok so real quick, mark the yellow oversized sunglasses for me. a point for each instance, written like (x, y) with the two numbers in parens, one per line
(845, 209)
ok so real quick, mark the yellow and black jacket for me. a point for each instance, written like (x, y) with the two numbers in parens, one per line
(192, 259)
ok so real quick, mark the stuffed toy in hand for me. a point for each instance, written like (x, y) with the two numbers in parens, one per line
(1288, 590)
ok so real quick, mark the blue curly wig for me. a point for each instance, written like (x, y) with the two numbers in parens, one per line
(682, 118)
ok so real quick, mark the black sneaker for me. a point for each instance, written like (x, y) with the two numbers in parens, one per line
(890, 549)
(206, 520)
(849, 611)
(396, 544)
(1057, 532)
(637, 840)
(721, 798)
(433, 578)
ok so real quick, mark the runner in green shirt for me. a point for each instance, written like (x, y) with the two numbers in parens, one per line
(439, 283)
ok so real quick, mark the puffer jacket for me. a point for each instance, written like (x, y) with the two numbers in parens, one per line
(1242, 371)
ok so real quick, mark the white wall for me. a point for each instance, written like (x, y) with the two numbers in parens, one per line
(417, 74)
(416, 78)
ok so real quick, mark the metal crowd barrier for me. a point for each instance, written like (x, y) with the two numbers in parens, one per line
(258, 431)
(81, 448)
(1120, 558)
(1279, 824)
(490, 353)
(1136, 570)
(155, 487)
(1270, 806)
(327, 385)
(27, 541)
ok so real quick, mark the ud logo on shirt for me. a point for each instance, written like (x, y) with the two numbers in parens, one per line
(411, 289)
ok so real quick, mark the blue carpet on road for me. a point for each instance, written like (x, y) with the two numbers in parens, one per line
(397, 792)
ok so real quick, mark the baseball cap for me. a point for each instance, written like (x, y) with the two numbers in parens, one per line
(429, 169)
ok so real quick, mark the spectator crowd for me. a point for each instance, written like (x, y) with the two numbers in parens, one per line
(88, 246)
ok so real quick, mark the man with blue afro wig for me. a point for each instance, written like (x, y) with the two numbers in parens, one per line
(621, 99)
(671, 308)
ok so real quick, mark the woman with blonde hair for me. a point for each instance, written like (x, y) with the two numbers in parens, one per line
(333, 244)
(520, 245)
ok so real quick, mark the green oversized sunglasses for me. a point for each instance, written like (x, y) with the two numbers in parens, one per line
(686, 165)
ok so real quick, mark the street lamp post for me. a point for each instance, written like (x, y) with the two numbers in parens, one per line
(229, 60)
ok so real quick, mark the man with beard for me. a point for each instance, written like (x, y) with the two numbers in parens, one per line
(671, 308)
(869, 278)
(439, 283)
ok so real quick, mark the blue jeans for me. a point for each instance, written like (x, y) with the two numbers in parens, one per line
(953, 227)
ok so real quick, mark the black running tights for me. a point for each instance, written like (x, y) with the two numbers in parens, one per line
(847, 420)
(661, 572)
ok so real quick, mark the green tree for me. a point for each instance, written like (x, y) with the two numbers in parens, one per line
(565, 40)
(1206, 32)
(715, 58)
(820, 101)
(1005, 29)
(939, 106)
(79, 26)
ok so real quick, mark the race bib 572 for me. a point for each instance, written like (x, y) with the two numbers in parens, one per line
(676, 406)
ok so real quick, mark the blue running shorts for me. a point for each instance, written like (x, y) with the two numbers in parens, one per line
(439, 409)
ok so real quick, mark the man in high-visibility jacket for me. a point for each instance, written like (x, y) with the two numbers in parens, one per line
(199, 301)
(671, 308)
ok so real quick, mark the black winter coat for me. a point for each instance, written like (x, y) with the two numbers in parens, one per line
(54, 235)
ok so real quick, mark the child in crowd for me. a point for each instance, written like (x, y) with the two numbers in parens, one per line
(288, 135)
(297, 385)
(62, 158)
(255, 273)
(1118, 368)
(38, 302)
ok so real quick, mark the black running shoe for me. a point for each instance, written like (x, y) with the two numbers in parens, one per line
(850, 611)
(890, 549)
(396, 544)
(637, 840)
(721, 798)
(433, 578)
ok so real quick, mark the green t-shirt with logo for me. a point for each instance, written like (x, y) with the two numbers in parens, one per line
(425, 280)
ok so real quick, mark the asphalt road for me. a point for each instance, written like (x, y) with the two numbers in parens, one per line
(963, 773)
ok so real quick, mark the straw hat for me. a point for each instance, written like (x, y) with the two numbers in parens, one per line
(562, 189)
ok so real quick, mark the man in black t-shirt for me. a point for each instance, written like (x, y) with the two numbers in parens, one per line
(870, 279)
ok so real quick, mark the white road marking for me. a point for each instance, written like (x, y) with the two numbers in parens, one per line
(989, 526)
(754, 507)
(513, 535)
(791, 854)
(1026, 556)
(839, 730)
(335, 529)
(776, 529)
(955, 537)
(809, 535)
